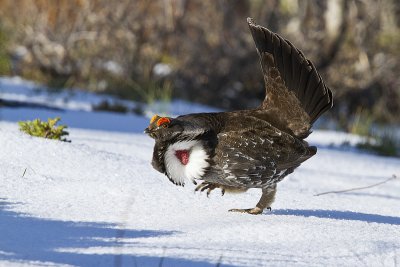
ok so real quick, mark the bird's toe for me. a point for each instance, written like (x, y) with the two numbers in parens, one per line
(206, 186)
(253, 211)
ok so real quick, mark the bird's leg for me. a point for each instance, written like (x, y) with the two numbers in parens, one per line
(267, 198)
(207, 186)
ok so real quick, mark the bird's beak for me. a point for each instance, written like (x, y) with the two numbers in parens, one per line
(147, 130)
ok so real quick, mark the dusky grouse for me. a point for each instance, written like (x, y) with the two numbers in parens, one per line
(254, 148)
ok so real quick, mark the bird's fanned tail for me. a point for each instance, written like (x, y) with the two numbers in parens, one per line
(297, 73)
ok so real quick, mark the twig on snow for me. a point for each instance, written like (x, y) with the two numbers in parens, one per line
(29, 167)
(219, 262)
(160, 264)
(357, 188)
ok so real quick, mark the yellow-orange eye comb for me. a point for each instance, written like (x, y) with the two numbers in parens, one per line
(163, 121)
(153, 119)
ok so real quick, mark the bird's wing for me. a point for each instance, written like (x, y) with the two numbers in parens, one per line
(258, 156)
(293, 85)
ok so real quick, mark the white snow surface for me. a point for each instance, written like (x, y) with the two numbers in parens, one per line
(98, 202)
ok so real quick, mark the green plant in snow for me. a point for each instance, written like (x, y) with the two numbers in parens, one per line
(362, 123)
(385, 144)
(44, 129)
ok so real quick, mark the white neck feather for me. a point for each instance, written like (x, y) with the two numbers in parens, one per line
(195, 167)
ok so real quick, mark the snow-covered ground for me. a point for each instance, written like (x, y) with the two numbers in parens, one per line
(97, 202)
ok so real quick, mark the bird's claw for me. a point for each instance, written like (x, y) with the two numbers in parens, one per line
(207, 186)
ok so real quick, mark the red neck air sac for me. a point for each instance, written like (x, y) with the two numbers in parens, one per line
(183, 156)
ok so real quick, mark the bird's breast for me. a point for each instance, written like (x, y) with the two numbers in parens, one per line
(186, 160)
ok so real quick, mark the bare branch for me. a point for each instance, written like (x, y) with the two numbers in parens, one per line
(357, 188)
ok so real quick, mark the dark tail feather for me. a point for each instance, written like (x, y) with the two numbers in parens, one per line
(296, 71)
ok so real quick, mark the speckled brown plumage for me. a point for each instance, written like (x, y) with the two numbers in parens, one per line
(253, 148)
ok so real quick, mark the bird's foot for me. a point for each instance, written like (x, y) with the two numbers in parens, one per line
(209, 187)
(253, 211)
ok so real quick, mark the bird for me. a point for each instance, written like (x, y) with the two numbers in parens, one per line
(251, 148)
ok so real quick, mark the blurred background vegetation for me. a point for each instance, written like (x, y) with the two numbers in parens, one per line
(202, 51)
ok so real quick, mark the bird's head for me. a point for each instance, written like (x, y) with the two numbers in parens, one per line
(163, 128)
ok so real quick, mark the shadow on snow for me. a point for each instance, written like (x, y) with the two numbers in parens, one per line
(341, 215)
(26, 238)
(104, 121)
